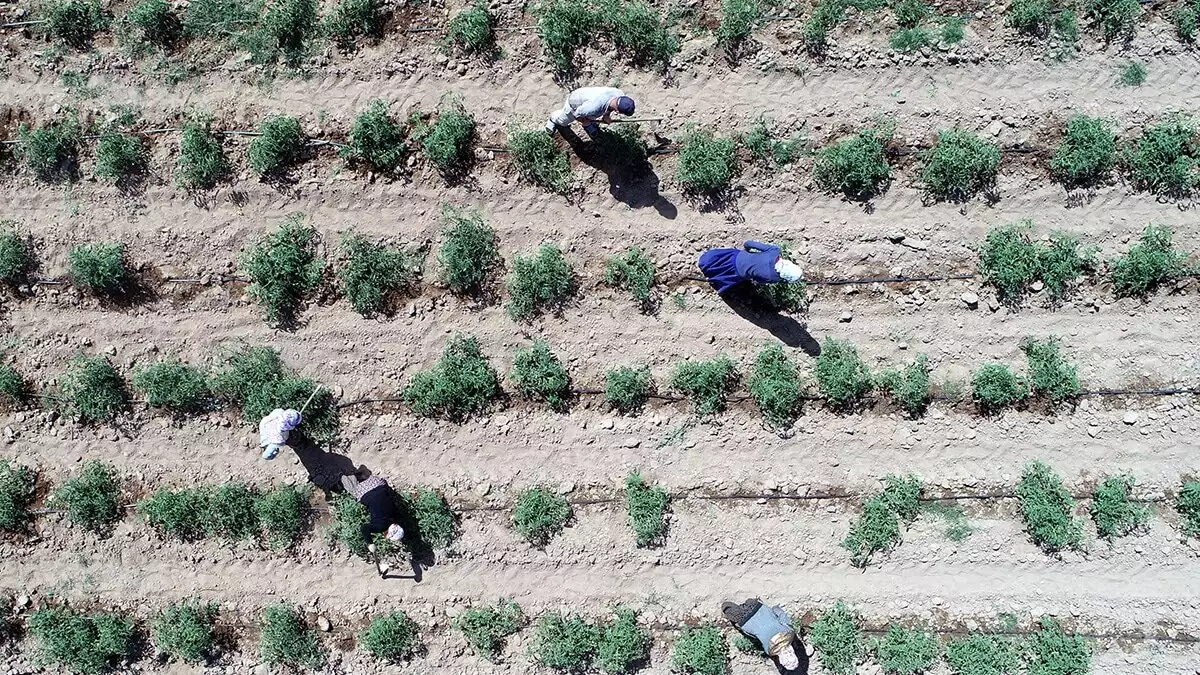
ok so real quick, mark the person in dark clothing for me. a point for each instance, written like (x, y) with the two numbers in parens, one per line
(728, 268)
(382, 516)
(771, 627)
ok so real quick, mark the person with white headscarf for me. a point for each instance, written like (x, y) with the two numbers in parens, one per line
(771, 627)
(382, 515)
(273, 430)
(728, 268)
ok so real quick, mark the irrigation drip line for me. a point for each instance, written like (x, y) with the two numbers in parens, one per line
(18, 24)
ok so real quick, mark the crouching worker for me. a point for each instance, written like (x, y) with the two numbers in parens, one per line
(729, 268)
(591, 106)
(273, 430)
(772, 628)
(382, 517)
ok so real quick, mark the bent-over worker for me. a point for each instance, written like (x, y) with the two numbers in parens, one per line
(771, 627)
(273, 430)
(592, 106)
(382, 516)
(727, 268)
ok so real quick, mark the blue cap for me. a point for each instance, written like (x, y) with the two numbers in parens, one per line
(625, 105)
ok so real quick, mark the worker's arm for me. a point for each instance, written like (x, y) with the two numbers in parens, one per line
(759, 247)
(782, 615)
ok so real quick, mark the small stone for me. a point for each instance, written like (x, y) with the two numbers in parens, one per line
(324, 624)
(970, 299)
(846, 317)
(895, 237)
(1130, 418)
(566, 487)
(606, 424)
(110, 350)
(631, 443)
(1037, 286)
(23, 601)
(483, 489)
(993, 305)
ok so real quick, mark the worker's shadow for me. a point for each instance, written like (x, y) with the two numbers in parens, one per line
(631, 178)
(325, 469)
(747, 304)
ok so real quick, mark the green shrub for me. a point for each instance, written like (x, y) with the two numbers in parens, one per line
(100, 268)
(908, 40)
(907, 651)
(473, 31)
(393, 637)
(351, 19)
(12, 385)
(151, 22)
(433, 524)
(564, 643)
(856, 167)
(764, 147)
(739, 18)
(280, 143)
(1133, 74)
(372, 273)
(448, 144)
(255, 379)
(775, 386)
(91, 498)
(1049, 373)
(639, 33)
(994, 386)
(281, 512)
(286, 641)
(1116, 18)
(470, 252)
(952, 30)
(229, 512)
(1087, 153)
(542, 281)
(175, 513)
(564, 27)
(911, 13)
(74, 22)
(959, 165)
(1047, 505)
(201, 161)
(627, 389)
(647, 507)
(705, 383)
(459, 385)
(1011, 261)
(842, 377)
(701, 651)
(540, 514)
(184, 631)
(878, 527)
(826, 15)
(539, 374)
(1053, 652)
(622, 148)
(93, 390)
(16, 495)
(119, 157)
(486, 627)
(16, 255)
(1185, 24)
(1112, 510)
(283, 268)
(52, 151)
(1065, 28)
(632, 271)
(173, 385)
(1063, 262)
(783, 296)
(1031, 17)
(376, 139)
(286, 31)
(84, 643)
(706, 163)
(1187, 503)
(623, 644)
(978, 654)
(1165, 160)
(908, 387)
(1151, 262)
(220, 19)
(349, 517)
(538, 157)
(838, 639)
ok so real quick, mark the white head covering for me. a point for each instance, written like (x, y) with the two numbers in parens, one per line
(790, 271)
(787, 658)
(395, 533)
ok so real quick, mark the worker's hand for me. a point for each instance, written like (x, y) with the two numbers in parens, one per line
(371, 548)
(607, 119)
(584, 120)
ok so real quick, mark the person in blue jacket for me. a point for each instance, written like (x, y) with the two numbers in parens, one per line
(728, 268)
(771, 627)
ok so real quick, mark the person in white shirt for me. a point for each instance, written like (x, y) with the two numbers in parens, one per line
(591, 106)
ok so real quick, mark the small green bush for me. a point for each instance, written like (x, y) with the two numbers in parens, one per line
(1053, 652)
(538, 157)
(220, 19)
(1031, 17)
(540, 282)
(540, 514)
(1087, 154)
(12, 386)
(566, 643)
(701, 651)
(838, 639)
(1011, 261)
(432, 525)
(1185, 23)
(16, 495)
(229, 512)
(392, 637)
(539, 374)
(1187, 503)
(842, 377)
(1115, 18)
(565, 27)
(775, 385)
(74, 22)
(878, 527)
(764, 147)
(1151, 262)
(280, 144)
(91, 497)
(372, 273)
(739, 18)
(286, 641)
(255, 379)
(1133, 74)
(994, 386)
(1047, 505)
(622, 147)
(647, 508)
(952, 30)
(120, 157)
(707, 164)
(826, 15)
(376, 139)
(856, 167)
(173, 385)
(201, 161)
(16, 255)
(473, 31)
(93, 390)
(911, 13)
(627, 389)
(461, 384)
(281, 512)
(486, 627)
(639, 33)
(184, 631)
(632, 271)
(349, 517)
(352, 19)
(84, 643)
(470, 252)
(100, 268)
(52, 151)
(908, 387)
(1166, 159)
(907, 651)
(448, 143)
(705, 383)
(1050, 375)
(151, 23)
(283, 268)
(285, 33)
(908, 40)
(175, 513)
(1112, 510)
(959, 165)
(623, 644)
(978, 654)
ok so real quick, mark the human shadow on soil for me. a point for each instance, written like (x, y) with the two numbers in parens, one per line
(746, 304)
(623, 159)
(325, 468)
